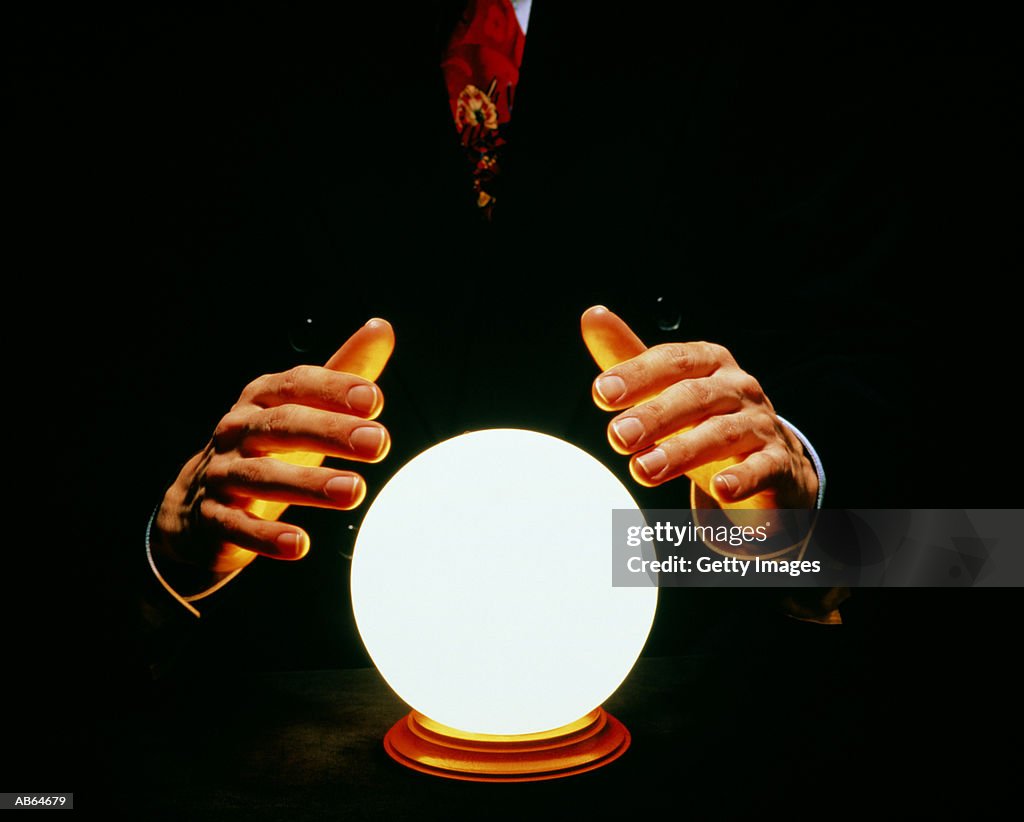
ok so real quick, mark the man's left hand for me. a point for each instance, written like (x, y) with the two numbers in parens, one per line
(688, 409)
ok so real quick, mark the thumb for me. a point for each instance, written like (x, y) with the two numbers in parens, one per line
(366, 352)
(608, 338)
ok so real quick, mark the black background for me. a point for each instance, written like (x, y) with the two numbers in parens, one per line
(833, 183)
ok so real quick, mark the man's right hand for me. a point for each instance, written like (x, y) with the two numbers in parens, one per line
(265, 454)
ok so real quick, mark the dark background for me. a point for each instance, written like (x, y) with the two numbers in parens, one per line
(187, 189)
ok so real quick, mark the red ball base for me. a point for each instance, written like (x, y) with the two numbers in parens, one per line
(591, 742)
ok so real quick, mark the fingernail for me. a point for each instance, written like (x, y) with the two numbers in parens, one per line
(610, 389)
(367, 440)
(361, 398)
(653, 463)
(628, 431)
(291, 542)
(342, 489)
(727, 484)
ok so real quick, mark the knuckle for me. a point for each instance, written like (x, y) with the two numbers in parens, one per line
(729, 429)
(719, 353)
(249, 472)
(680, 452)
(652, 413)
(775, 462)
(221, 433)
(701, 394)
(304, 371)
(216, 516)
(631, 371)
(217, 469)
(676, 358)
(272, 421)
(289, 381)
(332, 388)
(227, 431)
(337, 429)
(257, 386)
(764, 428)
(749, 388)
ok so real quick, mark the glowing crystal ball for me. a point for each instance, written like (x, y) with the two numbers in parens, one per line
(482, 584)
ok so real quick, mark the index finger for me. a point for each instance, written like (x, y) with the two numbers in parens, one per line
(318, 387)
(649, 373)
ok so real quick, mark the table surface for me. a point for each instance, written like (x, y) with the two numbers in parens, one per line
(733, 733)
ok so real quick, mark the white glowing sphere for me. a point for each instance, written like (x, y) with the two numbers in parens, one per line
(482, 584)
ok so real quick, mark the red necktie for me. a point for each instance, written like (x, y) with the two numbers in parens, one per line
(481, 69)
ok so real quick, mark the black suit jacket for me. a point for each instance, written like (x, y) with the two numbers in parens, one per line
(706, 178)
(786, 184)
(792, 184)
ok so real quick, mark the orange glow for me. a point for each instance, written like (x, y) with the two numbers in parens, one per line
(610, 342)
(590, 742)
(364, 354)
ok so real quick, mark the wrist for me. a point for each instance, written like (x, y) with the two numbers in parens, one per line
(184, 583)
(810, 456)
(188, 581)
(184, 563)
